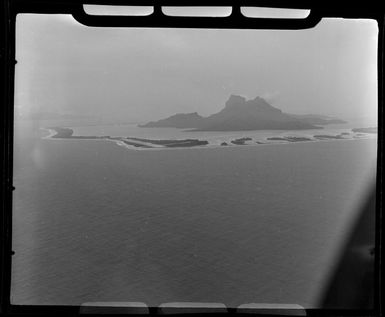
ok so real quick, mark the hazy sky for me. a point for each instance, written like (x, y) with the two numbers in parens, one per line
(145, 74)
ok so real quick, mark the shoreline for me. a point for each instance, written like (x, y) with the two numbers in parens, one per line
(135, 143)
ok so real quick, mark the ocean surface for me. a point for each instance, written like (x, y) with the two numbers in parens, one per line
(94, 221)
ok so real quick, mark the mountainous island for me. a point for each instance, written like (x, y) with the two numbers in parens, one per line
(240, 114)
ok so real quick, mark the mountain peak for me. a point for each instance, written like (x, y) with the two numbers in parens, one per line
(237, 103)
(259, 99)
(235, 100)
(238, 114)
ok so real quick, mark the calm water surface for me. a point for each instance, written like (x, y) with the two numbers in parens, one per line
(93, 221)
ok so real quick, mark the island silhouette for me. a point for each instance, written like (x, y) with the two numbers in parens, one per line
(240, 114)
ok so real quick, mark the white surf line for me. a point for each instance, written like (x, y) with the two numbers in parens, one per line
(145, 143)
(50, 131)
(120, 142)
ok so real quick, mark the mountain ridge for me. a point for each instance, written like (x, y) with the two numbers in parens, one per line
(240, 114)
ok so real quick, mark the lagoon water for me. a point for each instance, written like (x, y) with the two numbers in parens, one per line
(93, 221)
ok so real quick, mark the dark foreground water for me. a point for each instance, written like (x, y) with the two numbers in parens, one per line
(97, 222)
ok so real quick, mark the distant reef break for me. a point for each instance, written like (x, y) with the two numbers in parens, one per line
(372, 130)
(143, 143)
(67, 133)
(240, 114)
